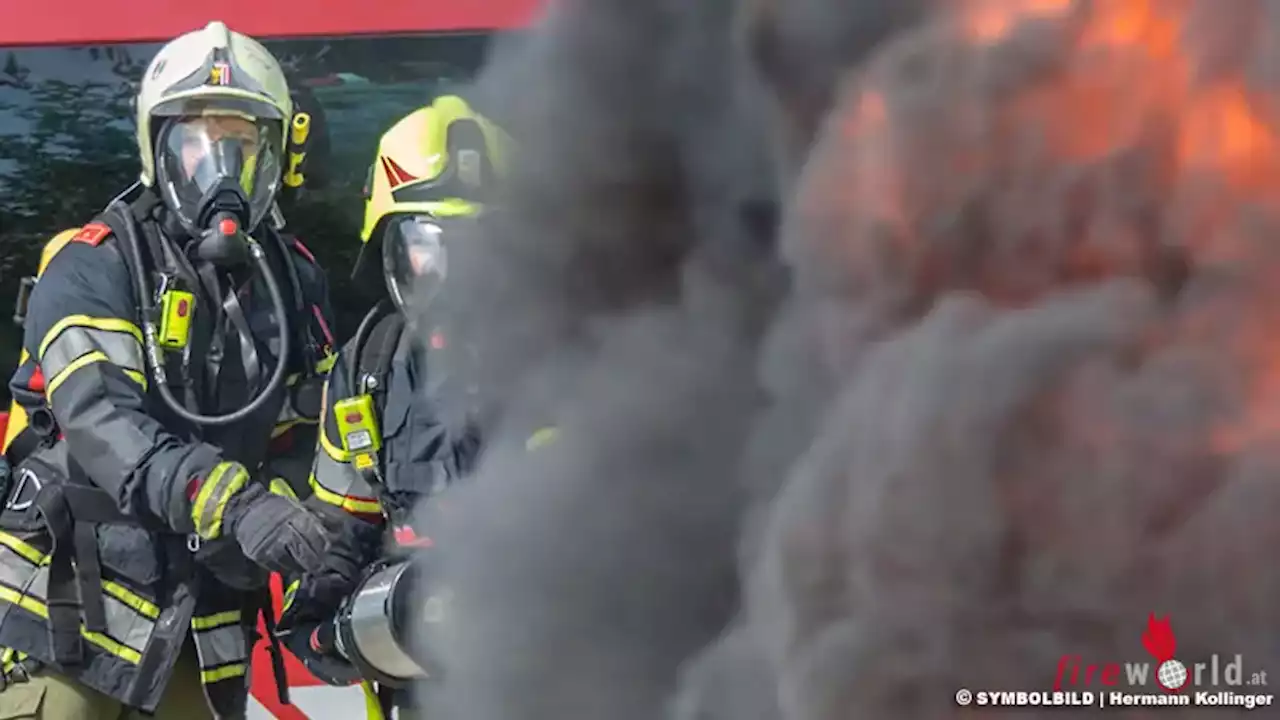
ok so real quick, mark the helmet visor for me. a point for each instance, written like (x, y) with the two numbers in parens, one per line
(414, 260)
(196, 157)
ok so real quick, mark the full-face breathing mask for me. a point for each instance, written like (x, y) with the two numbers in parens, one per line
(219, 175)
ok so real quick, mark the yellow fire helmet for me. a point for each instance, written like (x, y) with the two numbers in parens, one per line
(441, 161)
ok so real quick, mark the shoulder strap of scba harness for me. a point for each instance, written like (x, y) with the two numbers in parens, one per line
(374, 352)
(378, 351)
(18, 434)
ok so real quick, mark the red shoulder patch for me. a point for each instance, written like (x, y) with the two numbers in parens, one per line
(92, 234)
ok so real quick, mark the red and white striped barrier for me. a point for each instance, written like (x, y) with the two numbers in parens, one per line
(310, 698)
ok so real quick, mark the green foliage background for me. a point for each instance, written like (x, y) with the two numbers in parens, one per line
(67, 145)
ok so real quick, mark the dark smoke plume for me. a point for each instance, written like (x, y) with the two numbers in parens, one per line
(1013, 394)
(618, 294)
(1002, 483)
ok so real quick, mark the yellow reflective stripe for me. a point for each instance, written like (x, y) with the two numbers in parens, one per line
(140, 605)
(350, 504)
(280, 486)
(226, 672)
(107, 324)
(217, 620)
(9, 659)
(289, 594)
(287, 425)
(134, 601)
(88, 359)
(343, 479)
(74, 365)
(326, 364)
(372, 706)
(32, 554)
(218, 491)
(35, 607)
(54, 246)
(121, 349)
(206, 491)
(333, 451)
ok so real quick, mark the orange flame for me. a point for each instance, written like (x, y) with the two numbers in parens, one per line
(1124, 80)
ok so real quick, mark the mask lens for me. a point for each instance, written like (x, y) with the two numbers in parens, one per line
(415, 259)
(199, 155)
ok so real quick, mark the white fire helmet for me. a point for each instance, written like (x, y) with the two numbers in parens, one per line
(212, 112)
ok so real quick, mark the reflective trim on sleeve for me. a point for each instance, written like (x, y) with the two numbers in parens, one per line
(77, 341)
(220, 645)
(110, 325)
(216, 491)
(121, 348)
(280, 486)
(84, 361)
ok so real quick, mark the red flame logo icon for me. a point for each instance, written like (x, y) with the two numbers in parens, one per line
(1160, 642)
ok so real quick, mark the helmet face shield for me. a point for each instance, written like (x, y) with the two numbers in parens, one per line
(201, 157)
(414, 260)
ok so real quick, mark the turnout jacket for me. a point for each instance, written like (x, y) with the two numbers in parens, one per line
(419, 455)
(106, 592)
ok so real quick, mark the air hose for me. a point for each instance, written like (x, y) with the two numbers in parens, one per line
(380, 310)
(150, 332)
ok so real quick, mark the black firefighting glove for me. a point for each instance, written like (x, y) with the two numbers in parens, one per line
(355, 545)
(273, 529)
(227, 562)
(313, 644)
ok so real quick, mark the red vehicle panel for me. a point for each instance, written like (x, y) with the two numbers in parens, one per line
(89, 21)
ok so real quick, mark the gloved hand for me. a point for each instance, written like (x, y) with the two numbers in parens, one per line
(275, 531)
(355, 545)
(227, 562)
(313, 644)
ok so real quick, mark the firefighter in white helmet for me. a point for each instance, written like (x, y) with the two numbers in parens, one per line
(171, 344)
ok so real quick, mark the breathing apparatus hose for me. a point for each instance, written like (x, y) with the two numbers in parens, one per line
(150, 333)
(367, 323)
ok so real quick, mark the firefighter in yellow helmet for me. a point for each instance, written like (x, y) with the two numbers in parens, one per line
(167, 343)
(384, 445)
